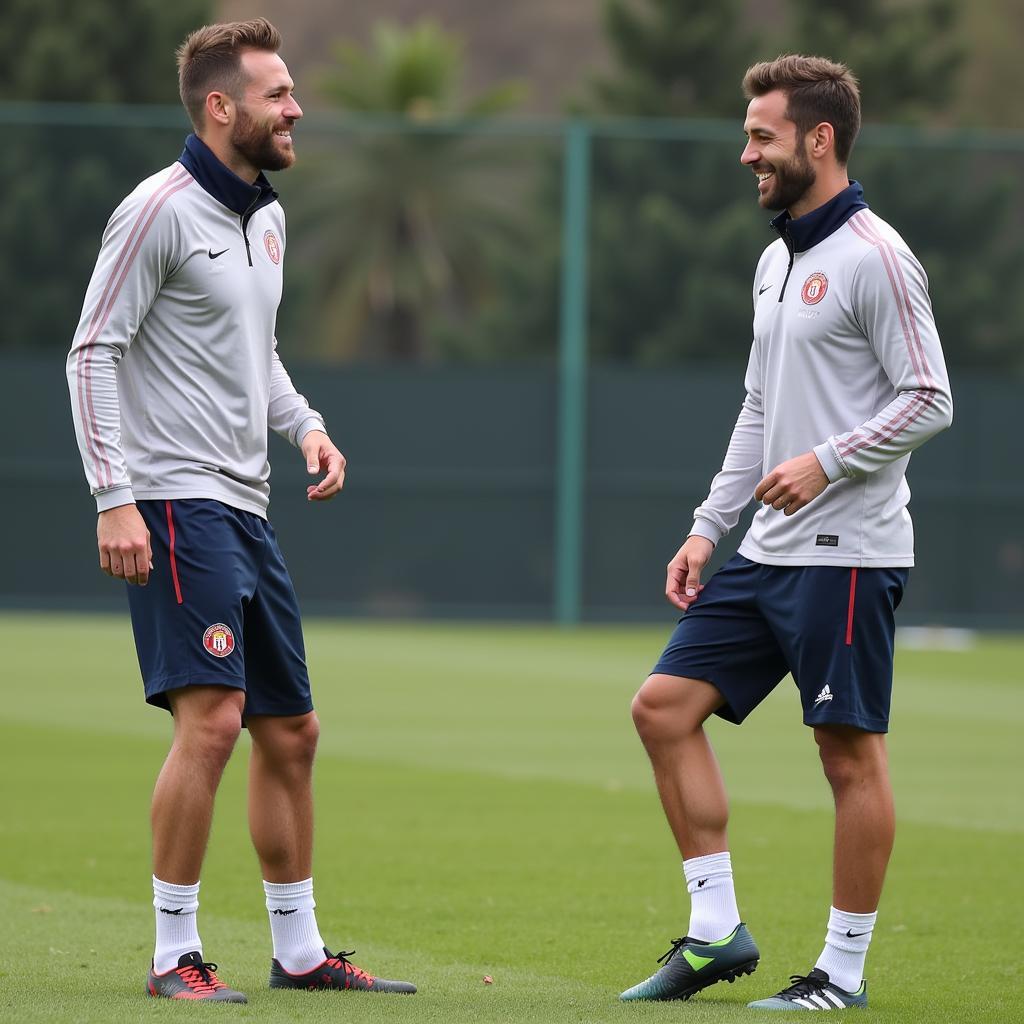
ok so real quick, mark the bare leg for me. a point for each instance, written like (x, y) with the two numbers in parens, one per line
(207, 721)
(669, 713)
(857, 767)
(281, 794)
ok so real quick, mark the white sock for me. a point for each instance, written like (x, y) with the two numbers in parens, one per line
(298, 947)
(176, 929)
(713, 912)
(846, 948)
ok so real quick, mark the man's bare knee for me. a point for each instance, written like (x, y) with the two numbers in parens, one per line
(288, 740)
(208, 721)
(850, 755)
(668, 707)
(306, 734)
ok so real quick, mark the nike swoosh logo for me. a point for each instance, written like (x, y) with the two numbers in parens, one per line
(763, 289)
(696, 962)
(213, 255)
(854, 935)
(700, 884)
(164, 910)
(285, 913)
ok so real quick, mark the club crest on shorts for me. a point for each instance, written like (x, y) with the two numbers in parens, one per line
(273, 246)
(219, 640)
(814, 288)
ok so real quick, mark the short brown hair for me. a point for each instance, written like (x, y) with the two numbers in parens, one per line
(211, 59)
(817, 89)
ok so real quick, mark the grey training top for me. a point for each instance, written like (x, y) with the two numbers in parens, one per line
(845, 362)
(174, 373)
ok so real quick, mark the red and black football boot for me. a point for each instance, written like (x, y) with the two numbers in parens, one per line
(192, 979)
(336, 972)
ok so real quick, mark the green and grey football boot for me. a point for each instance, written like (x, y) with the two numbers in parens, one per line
(813, 992)
(691, 965)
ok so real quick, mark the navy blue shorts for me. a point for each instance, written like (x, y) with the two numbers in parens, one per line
(219, 608)
(832, 627)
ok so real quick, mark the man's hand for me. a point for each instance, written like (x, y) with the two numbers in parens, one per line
(123, 540)
(683, 585)
(323, 457)
(792, 484)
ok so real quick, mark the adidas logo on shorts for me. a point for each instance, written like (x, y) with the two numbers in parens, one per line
(825, 695)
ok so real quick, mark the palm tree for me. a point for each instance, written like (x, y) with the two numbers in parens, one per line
(401, 222)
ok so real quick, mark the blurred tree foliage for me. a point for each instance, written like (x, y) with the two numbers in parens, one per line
(675, 58)
(908, 57)
(61, 184)
(399, 227)
(424, 240)
(675, 229)
(958, 209)
(101, 51)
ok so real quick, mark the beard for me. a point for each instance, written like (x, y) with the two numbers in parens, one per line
(790, 183)
(255, 141)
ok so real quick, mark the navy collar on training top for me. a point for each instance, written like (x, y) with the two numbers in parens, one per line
(803, 233)
(222, 183)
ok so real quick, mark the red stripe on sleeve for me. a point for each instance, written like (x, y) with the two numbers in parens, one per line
(910, 413)
(175, 183)
(85, 357)
(901, 297)
(174, 564)
(875, 230)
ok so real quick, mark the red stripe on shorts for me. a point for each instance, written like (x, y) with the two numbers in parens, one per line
(174, 564)
(849, 611)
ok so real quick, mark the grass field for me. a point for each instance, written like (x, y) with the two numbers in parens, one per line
(485, 809)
